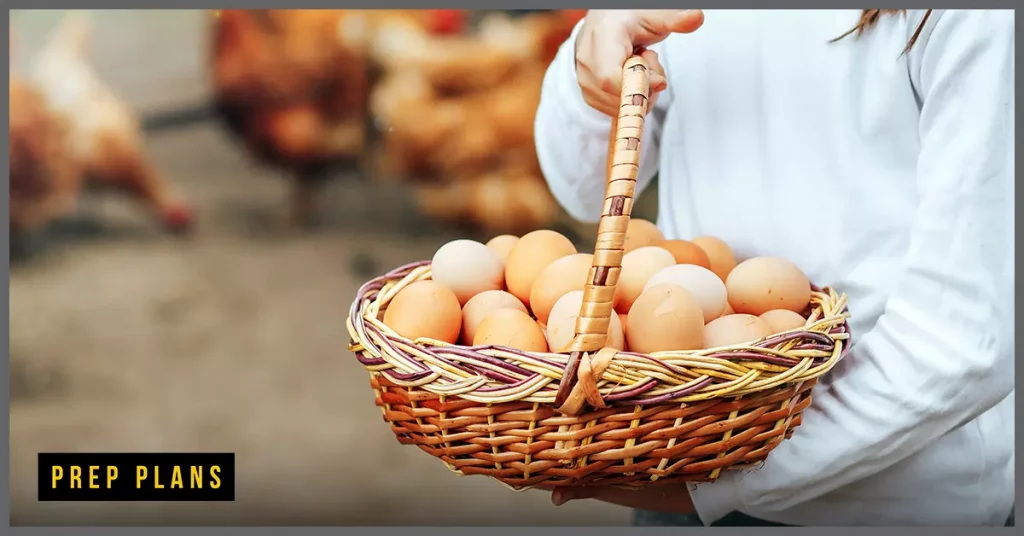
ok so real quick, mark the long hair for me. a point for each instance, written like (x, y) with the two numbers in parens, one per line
(870, 17)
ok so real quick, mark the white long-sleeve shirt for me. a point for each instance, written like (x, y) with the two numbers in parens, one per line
(888, 177)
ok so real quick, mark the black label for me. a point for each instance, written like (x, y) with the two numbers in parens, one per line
(186, 476)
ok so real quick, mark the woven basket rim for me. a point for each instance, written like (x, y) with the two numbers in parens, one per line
(495, 375)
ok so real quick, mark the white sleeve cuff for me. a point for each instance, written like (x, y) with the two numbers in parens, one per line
(569, 92)
(715, 500)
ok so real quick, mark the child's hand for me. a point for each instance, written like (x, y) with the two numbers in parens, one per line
(609, 37)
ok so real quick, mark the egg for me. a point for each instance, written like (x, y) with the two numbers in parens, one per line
(483, 304)
(467, 268)
(719, 255)
(561, 326)
(637, 268)
(780, 320)
(558, 279)
(761, 284)
(734, 329)
(511, 328)
(529, 256)
(686, 252)
(702, 283)
(665, 317)
(425, 309)
(640, 233)
(502, 245)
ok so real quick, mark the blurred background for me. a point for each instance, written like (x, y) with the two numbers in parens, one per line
(195, 198)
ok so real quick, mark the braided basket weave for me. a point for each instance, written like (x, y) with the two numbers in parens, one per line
(595, 415)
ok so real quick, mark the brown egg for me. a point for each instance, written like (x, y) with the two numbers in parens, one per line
(642, 233)
(425, 309)
(561, 326)
(511, 328)
(467, 268)
(558, 279)
(780, 320)
(483, 304)
(686, 252)
(665, 317)
(719, 253)
(734, 329)
(532, 253)
(502, 245)
(637, 267)
(761, 284)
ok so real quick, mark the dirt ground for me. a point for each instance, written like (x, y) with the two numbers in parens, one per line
(123, 339)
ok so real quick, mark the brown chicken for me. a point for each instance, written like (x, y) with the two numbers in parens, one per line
(292, 85)
(104, 134)
(457, 114)
(458, 64)
(470, 134)
(452, 64)
(45, 179)
(506, 200)
(432, 125)
(537, 34)
(406, 140)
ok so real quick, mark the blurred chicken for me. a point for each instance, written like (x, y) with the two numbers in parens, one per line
(494, 123)
(445, 21)
(457, 64)
(45, 180)
(427, 135)
(502, 201)
(406, 144)
(292, 84)
(457, 114)
(452, 64)
(429, 21)
(444, 110)
(537, 35)
(104, 134)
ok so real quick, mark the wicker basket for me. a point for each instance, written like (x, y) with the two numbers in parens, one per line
(595, 416)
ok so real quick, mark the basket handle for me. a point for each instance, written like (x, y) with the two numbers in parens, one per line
(623, 164)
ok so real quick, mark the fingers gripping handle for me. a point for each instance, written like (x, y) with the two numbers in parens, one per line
(623, 165)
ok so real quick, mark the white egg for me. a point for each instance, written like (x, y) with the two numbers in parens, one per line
(703, 284)
(467, 268)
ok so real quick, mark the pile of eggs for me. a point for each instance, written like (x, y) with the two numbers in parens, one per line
(526, 292)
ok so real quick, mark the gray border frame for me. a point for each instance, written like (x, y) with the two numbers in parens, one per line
(465, 4)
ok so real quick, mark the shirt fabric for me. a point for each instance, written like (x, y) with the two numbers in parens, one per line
(886, 176)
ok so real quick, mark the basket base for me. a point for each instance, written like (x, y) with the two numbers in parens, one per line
(526, 445)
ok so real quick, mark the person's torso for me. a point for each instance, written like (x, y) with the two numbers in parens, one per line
(818, 166)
